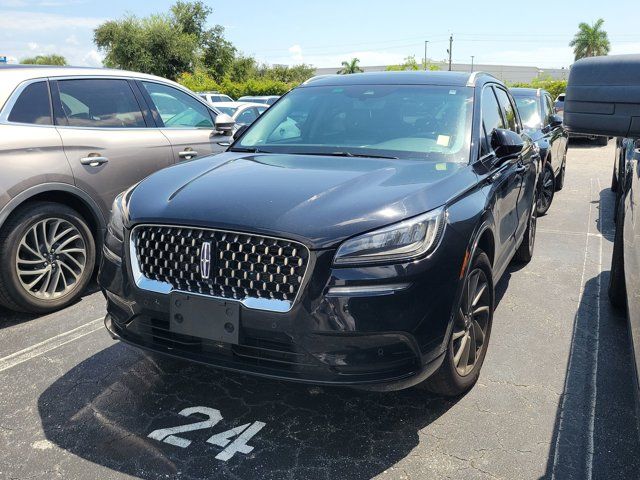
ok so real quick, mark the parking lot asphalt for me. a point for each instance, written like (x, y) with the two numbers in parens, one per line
(554, 400)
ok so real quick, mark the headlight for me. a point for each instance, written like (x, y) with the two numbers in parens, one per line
(401, 241)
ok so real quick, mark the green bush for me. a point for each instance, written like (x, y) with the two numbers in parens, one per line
(200, 81)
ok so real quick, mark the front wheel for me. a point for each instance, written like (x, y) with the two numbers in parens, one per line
(469, 338)
(47, 253)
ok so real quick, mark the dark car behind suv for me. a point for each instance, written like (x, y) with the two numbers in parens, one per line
(545, 128)
(353, 235)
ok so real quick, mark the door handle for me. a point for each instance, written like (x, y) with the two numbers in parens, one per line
(188, 154)
(94, 161)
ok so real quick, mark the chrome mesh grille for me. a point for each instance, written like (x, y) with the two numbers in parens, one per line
(242, 265)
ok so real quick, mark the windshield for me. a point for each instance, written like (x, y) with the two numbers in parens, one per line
(423, 122)
(529, 111)
(228, 110)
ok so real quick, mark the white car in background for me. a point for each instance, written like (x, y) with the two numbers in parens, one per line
(243, 113)
(268, 99)
(214, 97)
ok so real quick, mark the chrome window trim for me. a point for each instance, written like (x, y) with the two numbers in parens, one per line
(266, 304)
(13, 98)
(5, 111)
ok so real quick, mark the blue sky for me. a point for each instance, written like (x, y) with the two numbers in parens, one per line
(325, 32)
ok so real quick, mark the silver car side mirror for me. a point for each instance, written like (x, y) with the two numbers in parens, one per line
(224, 123)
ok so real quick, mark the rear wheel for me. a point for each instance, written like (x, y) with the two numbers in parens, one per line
(525, 250)
(469, 339)
(546, 189)
(617, 285)
(47, 253)
(561, 175)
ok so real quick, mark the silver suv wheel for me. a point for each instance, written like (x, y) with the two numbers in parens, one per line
(51, 257)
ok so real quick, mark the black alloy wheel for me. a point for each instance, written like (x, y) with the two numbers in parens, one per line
(471, 329)
(547, 188)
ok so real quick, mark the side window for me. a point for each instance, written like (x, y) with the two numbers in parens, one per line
(176, 108)
(100, 103)
(33, 105)
(491, 118)
(247, 117)
(508, 110)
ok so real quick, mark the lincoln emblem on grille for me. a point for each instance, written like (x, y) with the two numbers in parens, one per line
(205, 260)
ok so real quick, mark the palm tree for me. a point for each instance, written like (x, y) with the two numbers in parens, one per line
(590, 41)
(350, 67)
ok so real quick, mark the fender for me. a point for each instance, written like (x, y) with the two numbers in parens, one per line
(53, 187)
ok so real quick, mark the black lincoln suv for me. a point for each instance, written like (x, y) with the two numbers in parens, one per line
(352, 235)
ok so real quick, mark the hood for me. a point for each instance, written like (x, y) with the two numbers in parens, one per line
(318, 200)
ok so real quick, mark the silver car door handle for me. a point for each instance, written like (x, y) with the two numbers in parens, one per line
(93, 161)
(187, 154)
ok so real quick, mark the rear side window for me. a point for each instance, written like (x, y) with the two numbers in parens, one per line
(100, 103)
(176, 108)
(508, 110)
(33, 105)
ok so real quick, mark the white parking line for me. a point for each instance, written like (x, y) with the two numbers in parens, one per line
(49, 344)
(594, 371)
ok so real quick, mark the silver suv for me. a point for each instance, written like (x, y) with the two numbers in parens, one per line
(71, 139)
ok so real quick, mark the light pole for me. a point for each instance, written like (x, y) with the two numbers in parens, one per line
(425, 54)
(472, 56)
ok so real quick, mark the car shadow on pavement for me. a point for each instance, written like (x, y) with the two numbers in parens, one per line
(9, 318)
(583, 143)
(104, 409)
(596, 427)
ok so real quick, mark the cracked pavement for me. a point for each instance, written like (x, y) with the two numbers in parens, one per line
(555, 397)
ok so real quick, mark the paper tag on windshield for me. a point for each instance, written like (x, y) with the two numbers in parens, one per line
(443, 140)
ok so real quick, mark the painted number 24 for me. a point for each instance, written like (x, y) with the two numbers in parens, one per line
(242, 434)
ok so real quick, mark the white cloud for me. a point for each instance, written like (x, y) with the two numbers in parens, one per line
(92, 58)
(32, 45)
(296, 53)
(33, 21)
(72, 40)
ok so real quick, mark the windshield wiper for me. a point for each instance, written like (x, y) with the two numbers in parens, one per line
(348, 154)
(248, 150)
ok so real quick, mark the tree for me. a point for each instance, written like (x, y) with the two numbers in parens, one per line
(45, 60)
(590, 41)
(167, 45)
(409, 63)
(219, 52)
(350, 67)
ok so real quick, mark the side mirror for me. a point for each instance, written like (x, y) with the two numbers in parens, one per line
(555, 120)
(224, 123)
(603, 96)
(240, 131)
(506, 142)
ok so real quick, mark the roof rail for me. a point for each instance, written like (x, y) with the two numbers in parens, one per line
(474, 77)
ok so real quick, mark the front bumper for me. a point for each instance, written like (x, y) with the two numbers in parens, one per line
(370, 340)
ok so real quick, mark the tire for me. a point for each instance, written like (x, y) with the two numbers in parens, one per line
(524, 253)
(561, 175)
(617, 285)
(47, 253)
(450, 380)
(546, 188)
(602, 141)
